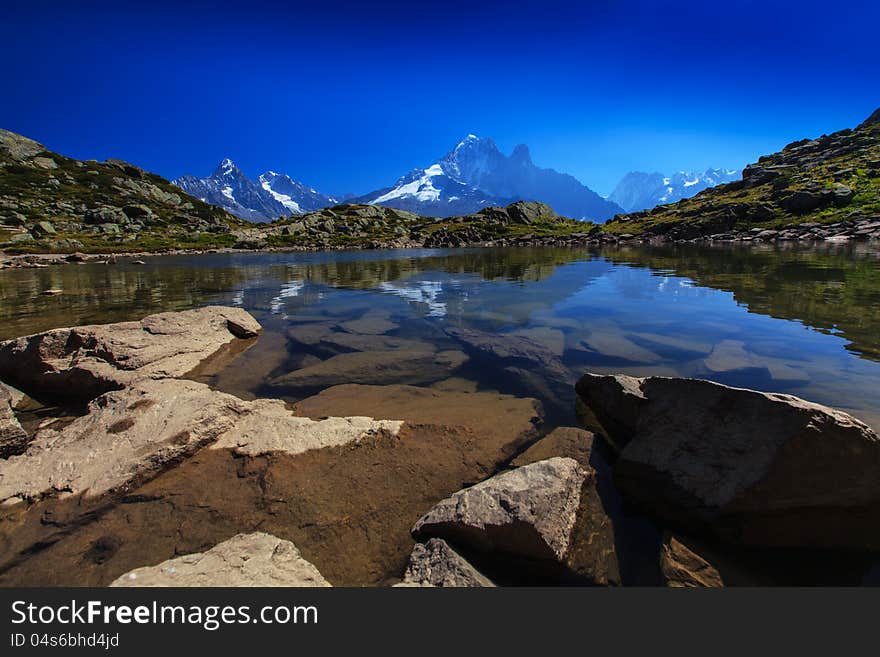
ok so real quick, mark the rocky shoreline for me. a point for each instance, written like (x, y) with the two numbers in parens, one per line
(145, 477)
(866, 229)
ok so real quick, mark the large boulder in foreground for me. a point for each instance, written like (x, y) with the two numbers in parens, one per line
(532, 514)
(78, 364)
(756, 468)
(435, 563)
(128, 436)
(257, 559)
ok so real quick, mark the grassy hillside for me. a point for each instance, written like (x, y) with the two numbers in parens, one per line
(49, 202)
(824, 181)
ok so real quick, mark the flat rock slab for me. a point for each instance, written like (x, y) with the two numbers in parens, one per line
(80, 363)
(528, 512)
(435, 563)
(257, 559)
(757, 468)
(130, 435)
(375, 367)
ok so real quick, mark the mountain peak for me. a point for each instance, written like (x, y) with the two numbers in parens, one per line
(225, 168)
(521, 154)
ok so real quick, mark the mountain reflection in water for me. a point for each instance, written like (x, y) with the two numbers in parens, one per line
(801, 320)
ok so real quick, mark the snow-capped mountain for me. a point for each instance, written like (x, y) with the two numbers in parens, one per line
(642, 191)
(292, 194)
(274, 195)
(476, 174)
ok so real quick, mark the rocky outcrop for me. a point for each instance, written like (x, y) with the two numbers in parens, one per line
(80, 363)
(751, 467)
(13, 437)
(529, 513)
(435, 563)
(257, 559)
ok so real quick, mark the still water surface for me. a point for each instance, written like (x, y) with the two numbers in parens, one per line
(799, 320)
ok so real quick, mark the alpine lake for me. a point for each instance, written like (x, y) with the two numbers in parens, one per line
(797, 319)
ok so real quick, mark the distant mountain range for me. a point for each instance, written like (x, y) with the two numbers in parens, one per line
(471, 176)
(475, 174)
(642, 191)
(271, 196)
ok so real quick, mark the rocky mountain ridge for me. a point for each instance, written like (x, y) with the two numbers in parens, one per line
(272, 196)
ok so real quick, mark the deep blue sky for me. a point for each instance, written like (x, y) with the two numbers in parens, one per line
(347, 96)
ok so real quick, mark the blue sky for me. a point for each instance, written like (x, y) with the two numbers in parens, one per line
(347, 96)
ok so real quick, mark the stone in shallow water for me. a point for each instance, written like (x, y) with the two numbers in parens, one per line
(257, 559)
(369, 324)
(551, 338)
(752, 467)
(731, 355)
(340, 341)
(528, 512)
(435, 563)
(83, 362)
(616, 345)
(375, 367)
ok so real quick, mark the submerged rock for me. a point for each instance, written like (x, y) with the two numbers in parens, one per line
(257, 559)
(524, 364)
(435, 563)
(80, 363)
(375, 367)
(752, 467)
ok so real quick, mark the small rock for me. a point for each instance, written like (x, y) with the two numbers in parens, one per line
(436, 564)
(257, 559)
